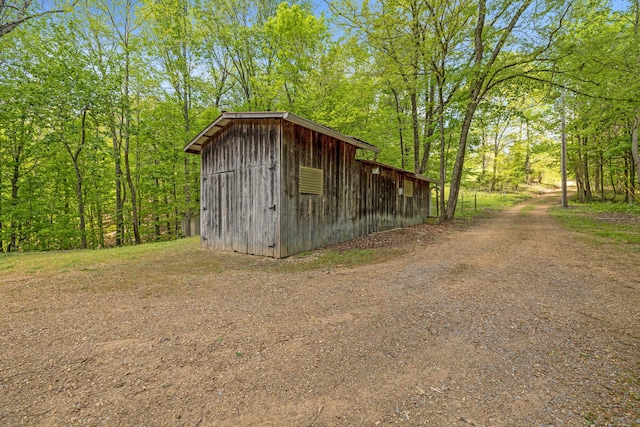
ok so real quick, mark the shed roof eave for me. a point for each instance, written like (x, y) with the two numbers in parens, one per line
(330, 132)
(196, 144)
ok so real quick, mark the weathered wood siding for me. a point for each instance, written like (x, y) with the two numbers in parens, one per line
(310, 221)
(382, 206)
(240, 188)
(355, 200)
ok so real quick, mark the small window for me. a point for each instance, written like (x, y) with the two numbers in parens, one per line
(310, 181)
(408, 188)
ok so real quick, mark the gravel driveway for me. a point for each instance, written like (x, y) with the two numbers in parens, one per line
(510, 322)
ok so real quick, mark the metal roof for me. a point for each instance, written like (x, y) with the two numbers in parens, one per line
(196, 144)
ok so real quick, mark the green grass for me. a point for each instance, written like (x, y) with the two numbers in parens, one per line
(53, 262)
(525, 210)
(615, 223)
(472, 204)
(180, 260)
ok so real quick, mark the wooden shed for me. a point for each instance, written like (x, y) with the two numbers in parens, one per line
(275, 184)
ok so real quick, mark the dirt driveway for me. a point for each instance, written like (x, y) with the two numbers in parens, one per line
(510, 322)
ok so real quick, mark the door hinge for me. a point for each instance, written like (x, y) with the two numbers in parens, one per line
(272, 167)
(272, 208)
(272, 246)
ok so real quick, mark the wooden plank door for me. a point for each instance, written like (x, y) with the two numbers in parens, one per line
(257, 211)
(240, 212)
(217, 216)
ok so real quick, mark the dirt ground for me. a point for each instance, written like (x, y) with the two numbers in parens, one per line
(510, 321)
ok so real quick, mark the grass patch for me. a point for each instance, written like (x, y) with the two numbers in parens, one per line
(473, 204)
(158, 267)
(525, 210)
(54, 262)
(615, 223)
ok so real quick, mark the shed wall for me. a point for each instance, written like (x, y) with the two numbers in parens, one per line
(240, 188)
(310, 221)
(383, 205)
(355, 200)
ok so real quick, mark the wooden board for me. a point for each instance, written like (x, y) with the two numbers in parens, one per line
(355, 200)
(240, 191)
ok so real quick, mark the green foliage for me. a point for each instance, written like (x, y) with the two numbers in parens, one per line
(294, 40)
(97, 103)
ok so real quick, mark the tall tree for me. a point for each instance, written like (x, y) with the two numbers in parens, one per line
(173, 40)
(111, 39)
(294, 41)
(636, 59)
(21, 153)
(492, 63)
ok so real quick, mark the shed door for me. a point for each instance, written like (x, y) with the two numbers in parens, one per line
(241, 212)
(256, 209)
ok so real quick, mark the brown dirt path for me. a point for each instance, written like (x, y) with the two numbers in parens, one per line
(511, 322)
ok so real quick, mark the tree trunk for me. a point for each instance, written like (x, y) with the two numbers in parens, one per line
(578, 170)
(1, 236)
(477, 90)
(118, 182)
(602, 175)
(15, 179)
(187, 192)
(456, 174)
(527, 159)
(156, 205)
(628, 180)
(472, 105)
(613, 181)
(81, 213)
(441, 131)
(134, 201)
(76, 168)
(496, 151)
(429, 128)
(127, 138)
(636, 121)
(400, 126)
(416, 131)
(634, 149)
(585, 172)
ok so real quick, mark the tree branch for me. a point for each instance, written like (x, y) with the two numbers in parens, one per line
(10, 26)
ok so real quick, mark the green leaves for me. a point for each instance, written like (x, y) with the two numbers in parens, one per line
(103, 98)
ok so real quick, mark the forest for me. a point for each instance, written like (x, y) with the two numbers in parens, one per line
(99, 97)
